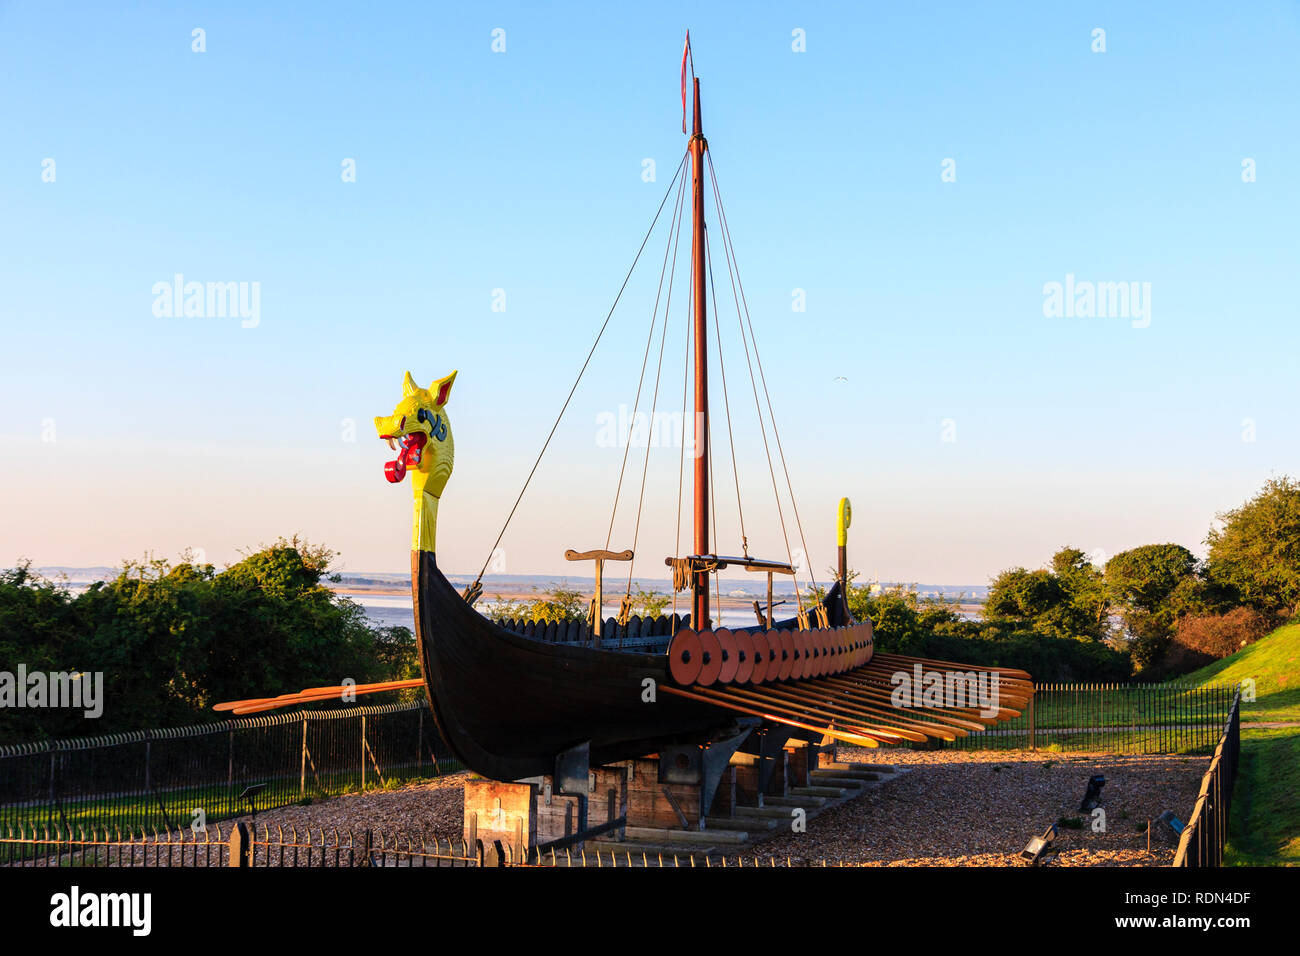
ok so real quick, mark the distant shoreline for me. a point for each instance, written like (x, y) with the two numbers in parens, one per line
(528, 587)
(729, 602)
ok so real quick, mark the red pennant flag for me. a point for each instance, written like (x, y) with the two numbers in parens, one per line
(686, 51)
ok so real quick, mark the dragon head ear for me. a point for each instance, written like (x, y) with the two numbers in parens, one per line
(441, 389)
(409, 387)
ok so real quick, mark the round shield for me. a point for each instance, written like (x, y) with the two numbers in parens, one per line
(761, 649)
(712, 657)
(744, 656)
(730, 658)
(685, 657)
(801, 655)
(786, 654)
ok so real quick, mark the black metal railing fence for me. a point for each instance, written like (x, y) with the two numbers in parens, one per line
(1202, 840)
(1113, 718)
(173, 779)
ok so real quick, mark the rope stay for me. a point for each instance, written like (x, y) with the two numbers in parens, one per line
(478, 580)
(681, 455)
(654, 401)
(645, 359)
(726, 401)
(742, 301)
(767, 450)
(685, 569)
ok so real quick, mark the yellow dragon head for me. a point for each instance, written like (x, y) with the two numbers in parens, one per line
(420, 431)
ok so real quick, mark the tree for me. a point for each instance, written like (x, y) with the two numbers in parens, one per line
(171, 641)
(1024, 595)
(1069, 600)
(904, 623)
(1151, 584)
(1256, 554)
(558, 603)
(650, 603)
(1145, 577)
(1086, 585)
(896, 616)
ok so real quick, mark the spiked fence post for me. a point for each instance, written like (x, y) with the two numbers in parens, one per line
(241, 846)
(302, 773)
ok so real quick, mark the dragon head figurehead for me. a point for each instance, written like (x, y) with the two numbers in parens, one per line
(420, 432)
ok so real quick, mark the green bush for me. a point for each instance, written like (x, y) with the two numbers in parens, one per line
(906, 624)
(172, 641)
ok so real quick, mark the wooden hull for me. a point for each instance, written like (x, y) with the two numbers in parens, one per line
(507, 705)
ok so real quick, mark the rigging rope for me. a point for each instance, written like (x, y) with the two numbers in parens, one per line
(713, 513)
(685, 569)
(726, 235)
(654, 401)
(757, 407)
(726, 401)
(645, 359)
(681, 457)
(479, 578)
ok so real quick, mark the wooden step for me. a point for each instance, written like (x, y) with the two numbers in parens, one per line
(831, 778)
(884, 768)
(803, 802)
(845, 770)
(833, 793)
(778, 812)
(692, 838)
(653, 851)
(740, 823)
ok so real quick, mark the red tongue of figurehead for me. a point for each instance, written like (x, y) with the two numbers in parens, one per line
(412, 445)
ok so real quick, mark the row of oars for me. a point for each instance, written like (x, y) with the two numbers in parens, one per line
(889, 699)
(344, 692)
(724, 656)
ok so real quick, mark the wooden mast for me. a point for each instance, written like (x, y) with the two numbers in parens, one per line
(700, 611)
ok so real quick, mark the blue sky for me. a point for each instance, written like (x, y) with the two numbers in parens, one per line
(522, 171)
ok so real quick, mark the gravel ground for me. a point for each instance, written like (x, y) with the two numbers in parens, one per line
(431, 808)
(951, 809)
(980, 809)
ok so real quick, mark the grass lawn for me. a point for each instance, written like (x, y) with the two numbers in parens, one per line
(1265, 825)
(1273, 662)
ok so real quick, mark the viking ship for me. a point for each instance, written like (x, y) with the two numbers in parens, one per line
(512, 698)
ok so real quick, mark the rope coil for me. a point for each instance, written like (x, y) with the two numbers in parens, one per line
(685, 569)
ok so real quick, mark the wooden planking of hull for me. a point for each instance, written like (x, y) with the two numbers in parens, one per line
(508, 705)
